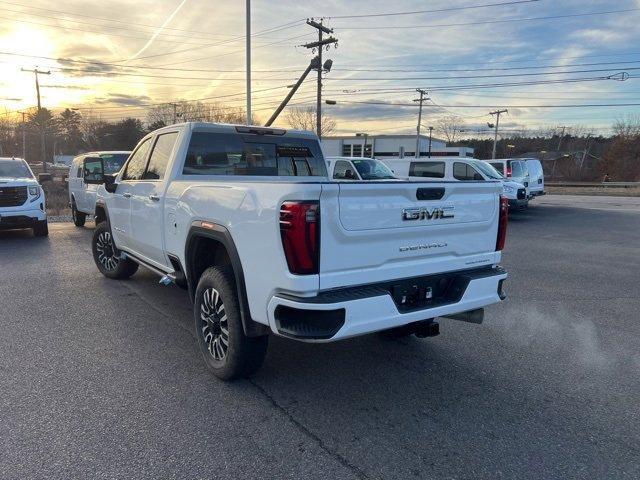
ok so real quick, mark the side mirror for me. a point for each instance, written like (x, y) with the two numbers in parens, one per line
(93, 168)
(110, 184)
(348, 174)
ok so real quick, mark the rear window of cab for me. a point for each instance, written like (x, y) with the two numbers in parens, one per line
(213, 153)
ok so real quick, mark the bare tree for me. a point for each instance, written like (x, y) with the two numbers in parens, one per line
(184, 111)
(449, 126)
(304, 118)
(628, 126)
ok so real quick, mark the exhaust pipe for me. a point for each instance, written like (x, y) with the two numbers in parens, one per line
(471, 316)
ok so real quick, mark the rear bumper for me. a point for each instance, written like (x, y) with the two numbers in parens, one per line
(21, 218)
(349, 312)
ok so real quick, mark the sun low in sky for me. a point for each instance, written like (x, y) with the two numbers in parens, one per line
(548, 62)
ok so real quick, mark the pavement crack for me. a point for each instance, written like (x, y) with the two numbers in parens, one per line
(308, 433)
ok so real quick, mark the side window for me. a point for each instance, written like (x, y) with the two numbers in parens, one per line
(498, 166)
(464, 171)
(426, 169)
(340, 170)
(160, 156)
(138, 161)
(79, 170)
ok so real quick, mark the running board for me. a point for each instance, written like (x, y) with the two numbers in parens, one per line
(167, 278)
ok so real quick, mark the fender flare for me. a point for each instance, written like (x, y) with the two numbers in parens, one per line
(221, 234)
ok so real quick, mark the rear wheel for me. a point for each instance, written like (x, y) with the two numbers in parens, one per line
(226, 350)
(78, 217)
(107, 256)
(41, 229)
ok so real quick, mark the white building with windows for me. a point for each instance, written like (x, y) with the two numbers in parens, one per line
(389, 146)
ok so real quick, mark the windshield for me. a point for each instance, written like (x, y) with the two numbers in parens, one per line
(370, 169)
(487, 170)
(14, 169)
(113, 162)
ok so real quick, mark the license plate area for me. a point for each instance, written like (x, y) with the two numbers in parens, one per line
(428, 292)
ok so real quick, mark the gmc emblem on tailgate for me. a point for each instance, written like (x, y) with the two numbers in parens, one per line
(426, 214)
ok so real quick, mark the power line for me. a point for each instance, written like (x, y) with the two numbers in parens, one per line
(439, 10)
(113, 20)
(589, 105)
(492, 22)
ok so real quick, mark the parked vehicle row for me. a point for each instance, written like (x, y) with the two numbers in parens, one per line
(248, 220)
(22, 199)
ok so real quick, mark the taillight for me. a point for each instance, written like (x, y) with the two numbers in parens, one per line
(508, 172)
(300, 232)
(502, 223)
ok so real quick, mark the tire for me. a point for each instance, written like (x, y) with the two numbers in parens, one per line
(78, 217)
(107, 256)
(41, 229)
(217, 320)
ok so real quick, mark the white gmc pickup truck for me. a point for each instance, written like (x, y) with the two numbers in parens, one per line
(246, 219)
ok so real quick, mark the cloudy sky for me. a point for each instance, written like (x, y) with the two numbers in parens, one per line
(115, 58)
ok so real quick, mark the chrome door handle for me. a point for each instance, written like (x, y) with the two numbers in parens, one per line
(126, 195)
(155, 198)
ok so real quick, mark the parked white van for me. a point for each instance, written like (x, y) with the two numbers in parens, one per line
(358, 168)
(536, 177)
(461, 169)
(82, 196)
(515, 169)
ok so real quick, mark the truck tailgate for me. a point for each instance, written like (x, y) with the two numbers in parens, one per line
(377, 231)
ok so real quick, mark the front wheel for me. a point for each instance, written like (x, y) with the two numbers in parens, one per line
(226, 350)
(78, 217)
(107, 256)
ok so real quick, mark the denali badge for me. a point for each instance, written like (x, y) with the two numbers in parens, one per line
(422, 246)
(426, 214)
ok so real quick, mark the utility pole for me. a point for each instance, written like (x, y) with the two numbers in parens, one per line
(430, 136)
(421, 100)
(248, 48)
(319, 45)
(312, 65)
(175, 112)
(43, 151)
(584, 154)
(24, 137)
(495, 136)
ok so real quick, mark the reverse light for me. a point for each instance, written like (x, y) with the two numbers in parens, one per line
(300, 233)
(502, 223)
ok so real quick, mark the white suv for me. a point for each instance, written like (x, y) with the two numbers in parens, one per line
(82, 196)
(22, 202)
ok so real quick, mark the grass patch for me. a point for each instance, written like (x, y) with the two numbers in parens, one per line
(57, 198)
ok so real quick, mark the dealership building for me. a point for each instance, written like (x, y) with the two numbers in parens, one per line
(389, 146)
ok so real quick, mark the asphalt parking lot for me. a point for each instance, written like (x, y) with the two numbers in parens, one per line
(103, 379)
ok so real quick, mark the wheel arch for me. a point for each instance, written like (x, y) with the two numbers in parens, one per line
(101, 214)
(213, 245)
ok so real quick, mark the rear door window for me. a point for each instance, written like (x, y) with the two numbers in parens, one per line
(427, 169)
(340, 170)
